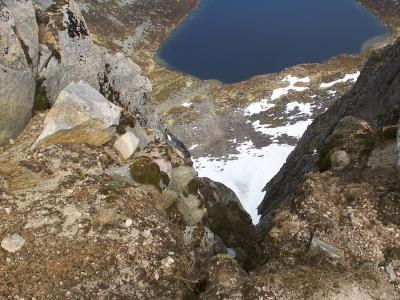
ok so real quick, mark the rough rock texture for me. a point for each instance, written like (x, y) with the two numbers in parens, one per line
(375, 98)
(89, 231)
(75, 220)
(226, 217)
(26, 29)
(124, 84)
(78, 58)
(17, 87)
(81, 115)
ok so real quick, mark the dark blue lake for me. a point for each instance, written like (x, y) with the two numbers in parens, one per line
(234, 40)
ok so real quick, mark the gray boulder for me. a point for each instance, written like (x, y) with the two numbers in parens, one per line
(123, 83)
(17, 89)
(80, 58)
(26, 29)
(81, 115)
(117, 77)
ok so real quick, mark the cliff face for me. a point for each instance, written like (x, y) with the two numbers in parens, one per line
(374, 98)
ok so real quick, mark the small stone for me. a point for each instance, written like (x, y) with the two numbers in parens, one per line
(318, 246)
(128, 222)
(167, 263)
(127, 144)
(12, 142)
(339, 160)
(13, 243)
(231, 252)
(392, 275)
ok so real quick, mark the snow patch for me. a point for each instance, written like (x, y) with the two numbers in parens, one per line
(304, 108)
(246, 173)
(187, 104)
(193, 147)
(265, 104)
(348, 77)
(294, 130)
(292, 80)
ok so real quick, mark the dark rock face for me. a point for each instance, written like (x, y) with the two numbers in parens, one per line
(227, 218)
(375, 98)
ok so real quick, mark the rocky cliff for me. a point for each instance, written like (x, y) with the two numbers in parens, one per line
(375, 99)
(97, 200)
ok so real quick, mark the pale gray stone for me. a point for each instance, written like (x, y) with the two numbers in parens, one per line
(17, 88)
(26, 28)
(144, 137)
(13, 243)
(180, 177)
(339, 159)
(126, 145)
(318, 246)
(80, 115)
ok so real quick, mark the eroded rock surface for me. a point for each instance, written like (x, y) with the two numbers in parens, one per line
(17, 79)
(80, 115)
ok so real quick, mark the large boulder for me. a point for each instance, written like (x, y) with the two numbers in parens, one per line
(81, 115)
(123, 83)
(79, 58)
(17, 88)
(26, 28)
(227, 218)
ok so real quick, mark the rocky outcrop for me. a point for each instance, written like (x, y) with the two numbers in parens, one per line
(76, 57)
(26, 29)
(80, 115)
(18, 57)
(123, 83)
(374, 99)
(226, 217)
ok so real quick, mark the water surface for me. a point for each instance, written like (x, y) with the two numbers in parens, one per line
(234, 40)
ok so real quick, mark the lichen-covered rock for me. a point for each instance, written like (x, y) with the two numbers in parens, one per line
(87, 234)
(225, 279)
(81, 115)
(76, 57)
(27, 29)
(79, 57)
(123, 83)
(180, 178)
(144, 170)
(17, 87)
